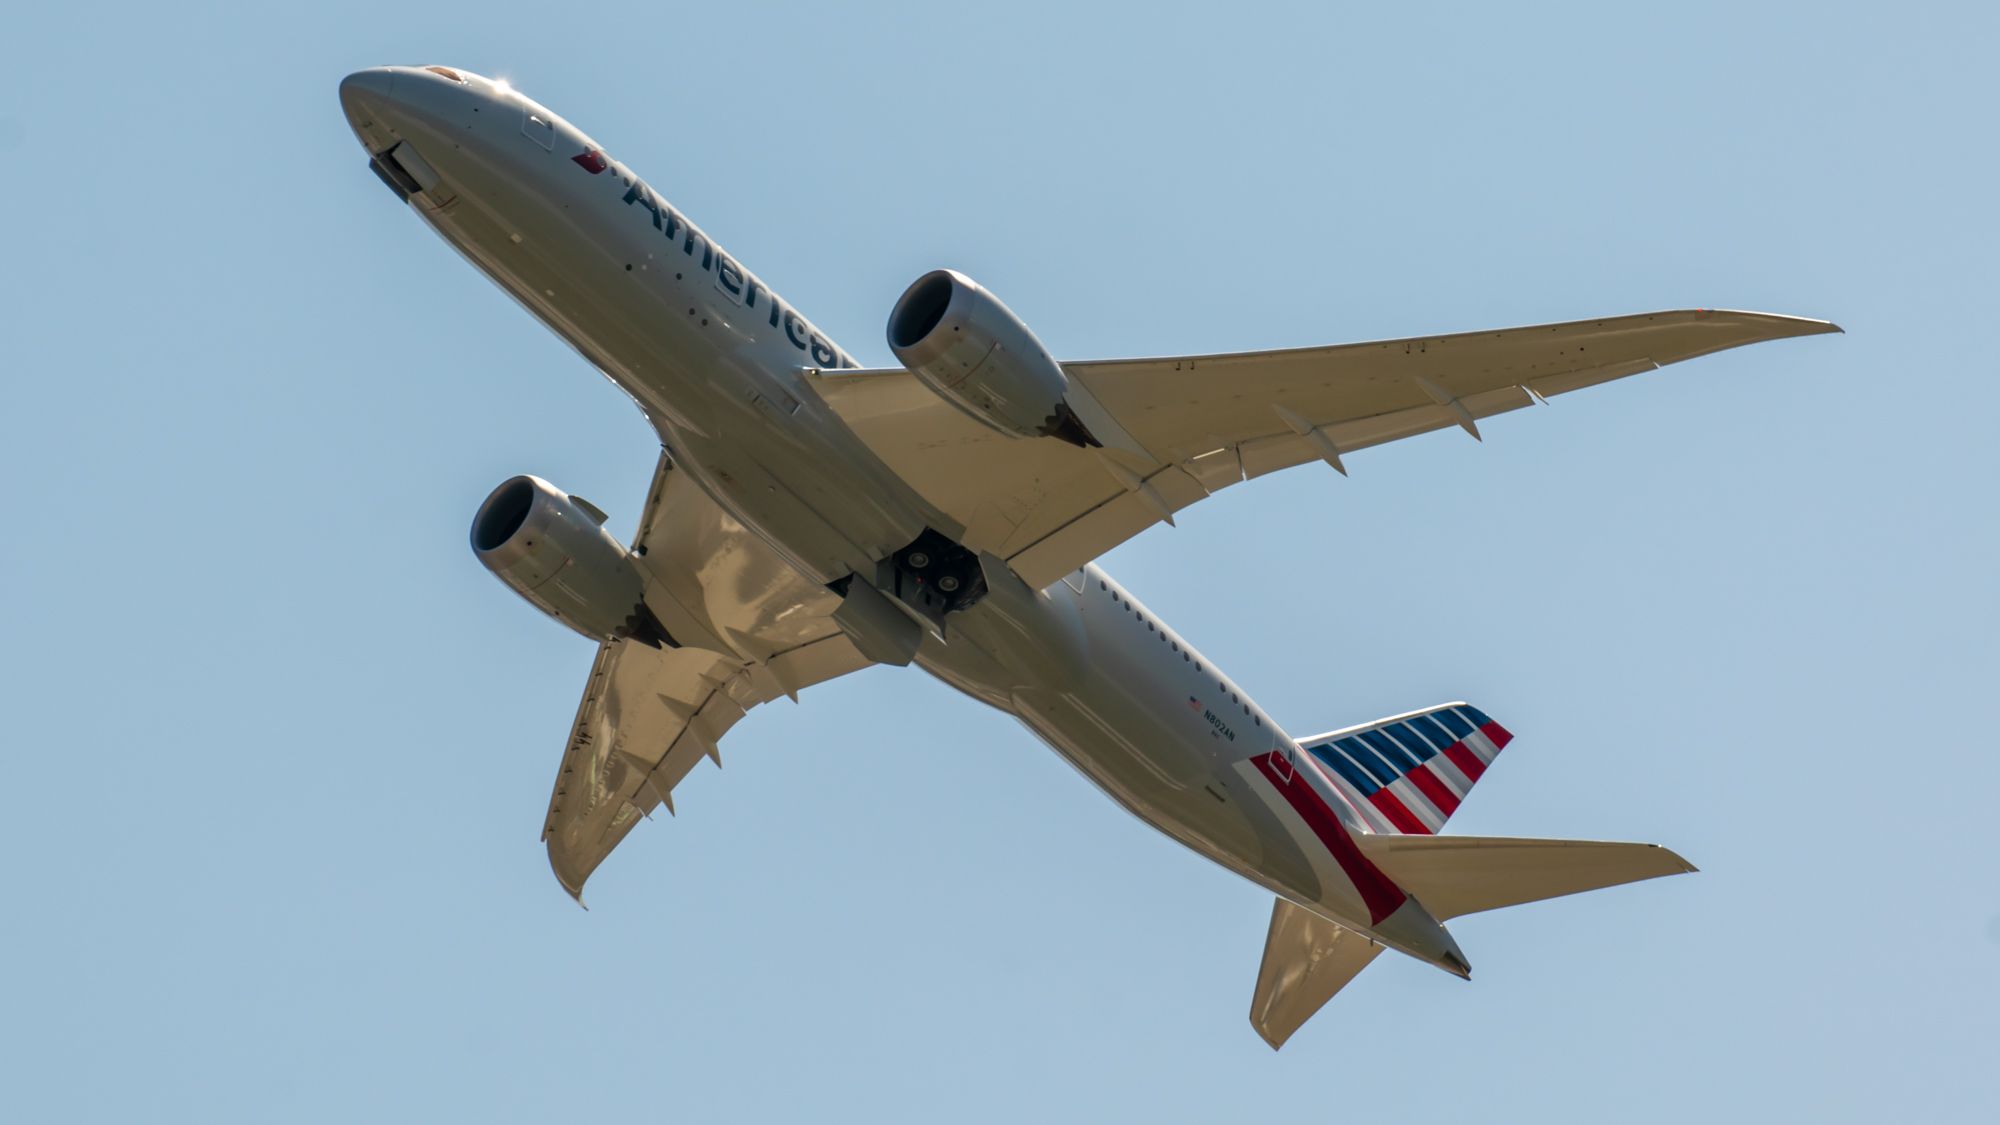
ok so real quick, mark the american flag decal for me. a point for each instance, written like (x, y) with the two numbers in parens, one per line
(1194, 705)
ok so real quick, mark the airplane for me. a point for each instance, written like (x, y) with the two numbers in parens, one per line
(810, 517)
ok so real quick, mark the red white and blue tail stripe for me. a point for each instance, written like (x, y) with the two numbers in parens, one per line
(1408, 774)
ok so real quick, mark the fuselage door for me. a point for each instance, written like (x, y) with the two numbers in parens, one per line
(1284, 758)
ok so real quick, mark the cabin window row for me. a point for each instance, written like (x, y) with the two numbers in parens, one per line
(1126, 605)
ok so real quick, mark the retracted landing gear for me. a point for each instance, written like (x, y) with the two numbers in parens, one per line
(934, 576)
(917, 586)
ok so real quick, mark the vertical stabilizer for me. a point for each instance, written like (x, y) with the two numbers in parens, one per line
(1408, 773)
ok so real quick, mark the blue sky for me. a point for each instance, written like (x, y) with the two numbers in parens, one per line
(279, 748)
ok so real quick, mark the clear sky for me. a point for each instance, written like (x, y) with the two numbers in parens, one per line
(277, 748)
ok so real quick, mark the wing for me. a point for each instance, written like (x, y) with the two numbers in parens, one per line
(1202, 423)
(648, 715)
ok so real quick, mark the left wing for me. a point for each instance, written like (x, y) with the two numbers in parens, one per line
(1306, 960)
(649, 715)
(1197, 424)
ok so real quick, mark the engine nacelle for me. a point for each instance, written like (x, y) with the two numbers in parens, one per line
(553, 550)
(961, 342)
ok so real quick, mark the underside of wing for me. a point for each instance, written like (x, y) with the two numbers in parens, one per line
(648, 716)
(752, 630)
(1202, 423)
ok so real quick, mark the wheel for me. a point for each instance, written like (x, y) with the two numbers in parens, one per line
(919, 560)
(949, 584)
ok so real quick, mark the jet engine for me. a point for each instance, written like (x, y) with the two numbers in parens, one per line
(961, 342)
(551, 548)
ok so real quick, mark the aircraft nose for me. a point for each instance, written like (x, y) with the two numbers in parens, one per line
(368, 99)
(366, 89)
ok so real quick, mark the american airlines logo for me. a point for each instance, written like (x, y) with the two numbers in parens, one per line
(729, 277)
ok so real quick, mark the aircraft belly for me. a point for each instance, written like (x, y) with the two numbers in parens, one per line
(1033, 657)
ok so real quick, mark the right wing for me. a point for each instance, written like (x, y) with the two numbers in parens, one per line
(649, 715)
(1197, 424)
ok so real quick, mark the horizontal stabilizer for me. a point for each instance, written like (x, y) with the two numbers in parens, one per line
(1306, 960)
(1457, 875)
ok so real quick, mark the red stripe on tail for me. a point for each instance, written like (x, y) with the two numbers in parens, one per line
(1398, 813)
(1467, 762)
(1439, 793)
(1378, 893)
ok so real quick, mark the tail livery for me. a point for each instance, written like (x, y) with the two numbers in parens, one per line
(1403, 777)
(1408, 774)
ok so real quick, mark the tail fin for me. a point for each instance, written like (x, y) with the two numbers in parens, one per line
(1408, 773)
(1457, 875)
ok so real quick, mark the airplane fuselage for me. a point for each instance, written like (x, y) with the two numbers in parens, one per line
(718, 363)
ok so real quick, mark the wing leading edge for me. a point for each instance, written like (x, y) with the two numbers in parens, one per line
(1207, 422)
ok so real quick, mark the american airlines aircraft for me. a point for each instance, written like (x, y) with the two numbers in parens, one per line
(811, 517)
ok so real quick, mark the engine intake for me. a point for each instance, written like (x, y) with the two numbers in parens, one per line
(961, 342)
(552, 549)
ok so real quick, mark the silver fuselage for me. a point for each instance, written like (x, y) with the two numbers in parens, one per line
(717, 362)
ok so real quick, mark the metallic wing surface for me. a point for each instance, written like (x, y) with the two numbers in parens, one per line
(649, 715)
(1196, 424)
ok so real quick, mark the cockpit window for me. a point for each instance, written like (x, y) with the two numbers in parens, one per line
(447, 72)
